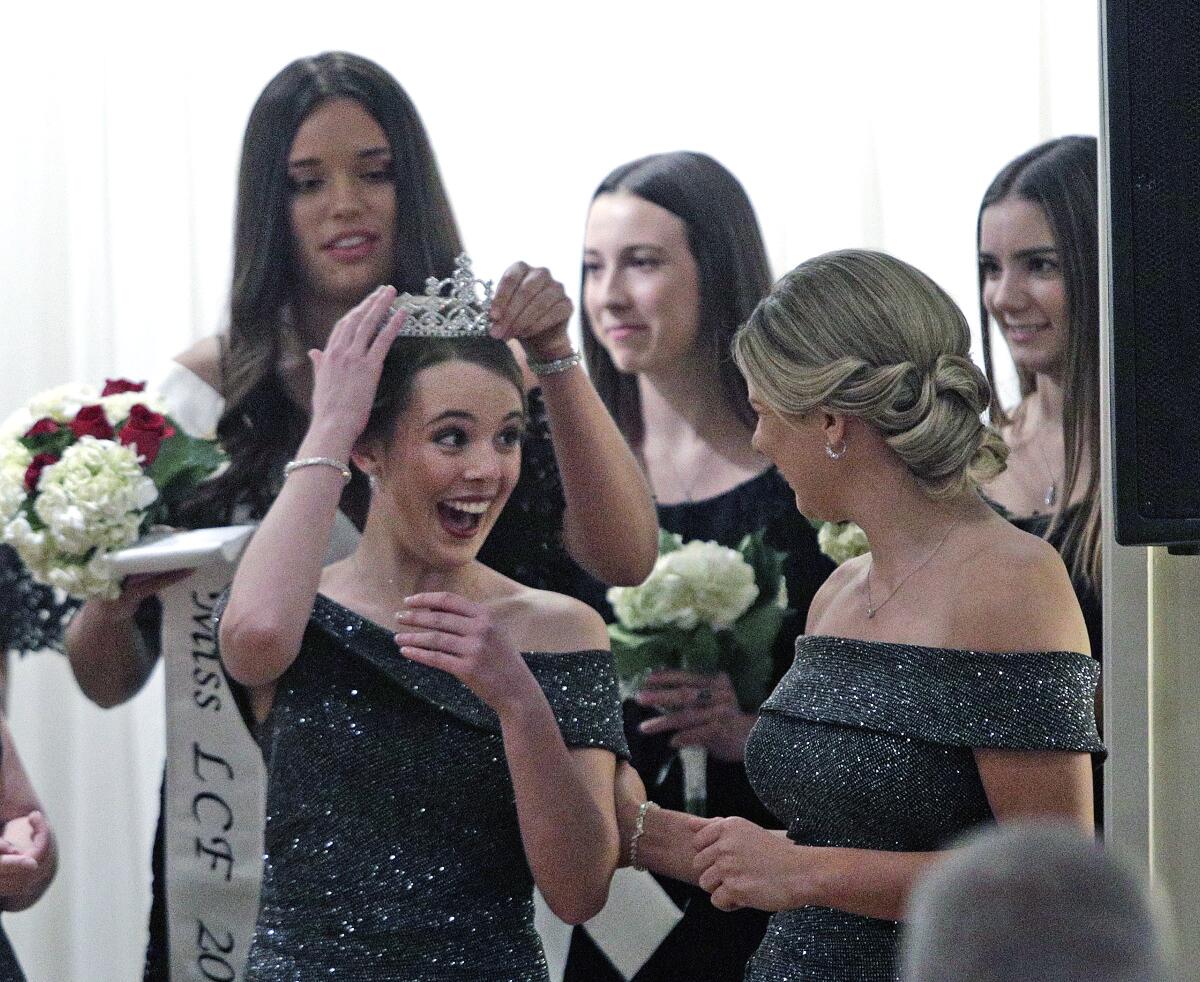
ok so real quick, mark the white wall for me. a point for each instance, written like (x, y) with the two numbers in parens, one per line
(877, 124)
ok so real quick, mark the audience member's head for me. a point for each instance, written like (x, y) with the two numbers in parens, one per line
(1033, 901)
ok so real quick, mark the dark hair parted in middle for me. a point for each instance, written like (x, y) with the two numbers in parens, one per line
(731, 265)
(261, 426)
(408, 357)
(1060, 177)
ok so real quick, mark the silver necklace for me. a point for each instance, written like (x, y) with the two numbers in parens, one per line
(1051, 496)
(689, 488)
(873, 608)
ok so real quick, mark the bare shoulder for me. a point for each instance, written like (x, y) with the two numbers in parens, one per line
(204, 359)
(546, 621)
(1014, 594)
(841, 583)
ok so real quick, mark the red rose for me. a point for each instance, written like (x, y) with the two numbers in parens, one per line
(115, 386)
(145, 431)
(43, 427)
(33, 472)
(91, 421)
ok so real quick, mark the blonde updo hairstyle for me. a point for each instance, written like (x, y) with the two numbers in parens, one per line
(864, 334)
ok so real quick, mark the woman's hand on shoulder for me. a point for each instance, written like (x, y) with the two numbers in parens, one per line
(532, 307)
(346, 373)
(463, 638)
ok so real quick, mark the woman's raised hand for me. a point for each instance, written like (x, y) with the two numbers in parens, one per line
(346, 373)
(532, 307)
(459, 636)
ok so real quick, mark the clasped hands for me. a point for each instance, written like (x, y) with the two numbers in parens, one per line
(740, 864)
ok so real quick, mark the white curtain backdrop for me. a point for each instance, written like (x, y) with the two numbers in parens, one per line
(851, 124)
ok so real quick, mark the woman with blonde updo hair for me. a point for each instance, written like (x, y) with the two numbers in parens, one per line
(943, 680)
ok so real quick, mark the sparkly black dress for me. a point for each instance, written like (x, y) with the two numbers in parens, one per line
(868, 745)
(392, 844)
(709, 945)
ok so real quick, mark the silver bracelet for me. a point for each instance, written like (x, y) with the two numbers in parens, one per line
(639, 826)
(337, 465)
(540, 368)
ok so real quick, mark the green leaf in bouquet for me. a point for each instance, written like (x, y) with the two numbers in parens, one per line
(750, 671)
(54, 443)
(183, 461)
(767, 563)
(757, 629)
(635, 654)
(701, 651)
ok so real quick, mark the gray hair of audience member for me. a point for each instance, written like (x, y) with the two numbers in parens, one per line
(1033, 900)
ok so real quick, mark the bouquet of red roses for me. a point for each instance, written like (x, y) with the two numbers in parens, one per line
(84, 474)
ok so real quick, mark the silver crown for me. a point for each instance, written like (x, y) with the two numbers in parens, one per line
(457, 307)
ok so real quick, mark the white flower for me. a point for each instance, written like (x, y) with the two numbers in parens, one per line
(95, 578)
(701, 582)
(14, 461)
(62, 402)
(842, 540)
(94, 497)
(117, 406)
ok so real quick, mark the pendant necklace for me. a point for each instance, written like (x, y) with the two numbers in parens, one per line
(873, 608)
(1051, 497)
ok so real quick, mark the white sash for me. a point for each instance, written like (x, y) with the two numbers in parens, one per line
(214, 795)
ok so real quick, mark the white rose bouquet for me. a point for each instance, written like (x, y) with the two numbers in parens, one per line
(841, 541)
(703, 608)
(85, 473)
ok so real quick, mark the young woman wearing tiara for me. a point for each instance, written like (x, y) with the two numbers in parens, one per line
(419, 782)
(943, 681)
(338, 192)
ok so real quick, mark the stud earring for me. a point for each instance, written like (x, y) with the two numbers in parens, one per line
(373, 481)
(836, 454)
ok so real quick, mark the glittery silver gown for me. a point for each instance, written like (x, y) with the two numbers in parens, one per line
(869, 745)
(392, 844)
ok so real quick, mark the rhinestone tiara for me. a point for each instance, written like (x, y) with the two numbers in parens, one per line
(457, 307)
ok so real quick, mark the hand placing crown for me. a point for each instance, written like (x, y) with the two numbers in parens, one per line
(456, 307)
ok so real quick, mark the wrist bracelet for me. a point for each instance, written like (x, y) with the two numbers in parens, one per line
(639, 826)
(337, 465)
(540, 368)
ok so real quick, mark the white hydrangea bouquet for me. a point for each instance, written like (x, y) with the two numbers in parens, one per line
(841, 541)
(85, 473)
(704, 608)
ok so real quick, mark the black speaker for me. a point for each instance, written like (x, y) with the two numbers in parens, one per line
(1152, 75)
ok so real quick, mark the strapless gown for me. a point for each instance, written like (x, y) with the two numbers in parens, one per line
(869, 745)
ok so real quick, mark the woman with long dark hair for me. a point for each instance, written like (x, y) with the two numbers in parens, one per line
(1039, 283)
(673, 264)
(338, 192)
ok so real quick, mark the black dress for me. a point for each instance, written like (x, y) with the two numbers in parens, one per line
(392, 844)
(708, 945)
(868, 745)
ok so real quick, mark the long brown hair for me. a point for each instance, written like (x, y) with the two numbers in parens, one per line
(262, 427)
(731, 264)
(1060, 177)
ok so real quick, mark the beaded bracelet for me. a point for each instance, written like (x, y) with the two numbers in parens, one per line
(540, 368)
(337, 465)
(639, 826)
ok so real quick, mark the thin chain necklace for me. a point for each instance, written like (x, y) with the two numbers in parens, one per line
(1051, 497)
(688, 488)
(873, 608)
